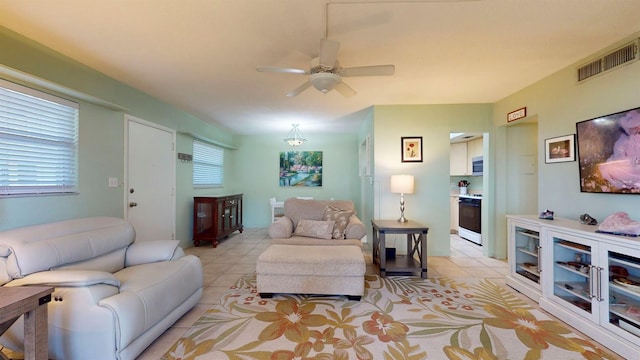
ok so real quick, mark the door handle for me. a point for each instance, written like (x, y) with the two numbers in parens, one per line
(133, 204)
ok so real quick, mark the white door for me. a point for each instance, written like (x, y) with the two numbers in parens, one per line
(150, 179)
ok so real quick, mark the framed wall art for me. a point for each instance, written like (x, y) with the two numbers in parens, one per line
(560, 149)
(609, 153)
(411, 148)
(300, 168)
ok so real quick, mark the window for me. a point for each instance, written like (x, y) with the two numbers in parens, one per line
(38, 142)
(208, 161)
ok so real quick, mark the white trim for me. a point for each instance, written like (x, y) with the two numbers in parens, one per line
(207, 140)
(25, 79)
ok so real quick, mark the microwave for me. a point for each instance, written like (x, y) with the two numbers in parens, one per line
(477, 166)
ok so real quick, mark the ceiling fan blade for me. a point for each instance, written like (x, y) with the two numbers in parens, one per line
(344, 89)
(375, 70)
(299, 89)
(280, 70)
(328, 53)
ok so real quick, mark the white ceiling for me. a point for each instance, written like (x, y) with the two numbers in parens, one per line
(200, 55)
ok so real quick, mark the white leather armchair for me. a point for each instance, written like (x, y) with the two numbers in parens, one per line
(113, 297)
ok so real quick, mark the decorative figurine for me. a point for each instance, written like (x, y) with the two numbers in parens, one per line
(546, 215)
(588, 220)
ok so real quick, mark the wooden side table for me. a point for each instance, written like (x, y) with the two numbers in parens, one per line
(416, 245)
(32, 302)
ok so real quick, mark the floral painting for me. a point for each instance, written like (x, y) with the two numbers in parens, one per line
(412, 149)
(301, 168)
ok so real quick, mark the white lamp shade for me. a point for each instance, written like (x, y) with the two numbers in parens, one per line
(402, 184)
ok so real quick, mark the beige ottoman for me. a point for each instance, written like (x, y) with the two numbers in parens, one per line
(302, 269)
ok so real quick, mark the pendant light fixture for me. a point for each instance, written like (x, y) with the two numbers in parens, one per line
(294, 138)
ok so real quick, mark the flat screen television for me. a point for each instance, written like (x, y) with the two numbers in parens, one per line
(609, 153)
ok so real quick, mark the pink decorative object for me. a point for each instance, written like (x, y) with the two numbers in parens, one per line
(620, 223)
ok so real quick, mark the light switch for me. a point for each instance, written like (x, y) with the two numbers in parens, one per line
(113, 182)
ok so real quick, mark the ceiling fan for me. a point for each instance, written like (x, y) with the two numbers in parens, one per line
(325, 72)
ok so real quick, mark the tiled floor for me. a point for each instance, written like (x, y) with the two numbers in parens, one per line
(238, 254)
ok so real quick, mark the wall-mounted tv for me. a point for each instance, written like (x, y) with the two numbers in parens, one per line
(609, 153)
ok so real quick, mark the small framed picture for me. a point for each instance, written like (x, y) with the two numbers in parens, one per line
(560, 149)
(411, 148)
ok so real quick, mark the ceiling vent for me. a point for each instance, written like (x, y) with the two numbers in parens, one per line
(624, 55)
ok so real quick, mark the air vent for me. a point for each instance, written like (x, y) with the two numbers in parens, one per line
(624, 55)
(590, 70)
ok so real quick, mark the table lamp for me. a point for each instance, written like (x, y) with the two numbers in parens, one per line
(402, 184)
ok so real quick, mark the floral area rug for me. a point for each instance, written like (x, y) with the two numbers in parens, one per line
(398, 318)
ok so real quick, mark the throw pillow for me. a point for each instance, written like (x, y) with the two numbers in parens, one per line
(341, 218)
(315, 229)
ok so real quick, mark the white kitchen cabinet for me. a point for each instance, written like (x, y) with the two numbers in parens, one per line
(474, 148)
(454, 214)
(458, 159)
(525, 254)
(587, 279)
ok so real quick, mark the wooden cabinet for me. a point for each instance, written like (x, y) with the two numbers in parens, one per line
(458, 159)
(214, 218)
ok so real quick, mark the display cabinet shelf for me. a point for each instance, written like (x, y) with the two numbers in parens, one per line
(532, 253)
(524, 257)
(588, 279)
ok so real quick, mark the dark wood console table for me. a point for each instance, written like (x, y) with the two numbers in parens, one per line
(416, 245)
(214, 218)
(32, 302)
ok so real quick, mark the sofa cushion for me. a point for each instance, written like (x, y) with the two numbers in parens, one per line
(315, 229)
(42, 247)
(281, 229)
(149, 292)
(111, 262)
(303, 240)
(143, 252)
(341, 218)
(297, 209)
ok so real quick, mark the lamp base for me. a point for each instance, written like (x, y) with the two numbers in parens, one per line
(402, 218)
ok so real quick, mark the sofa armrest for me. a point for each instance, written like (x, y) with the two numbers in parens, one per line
(67, 278)
(281, 229)
(145, 252)
(355, 229)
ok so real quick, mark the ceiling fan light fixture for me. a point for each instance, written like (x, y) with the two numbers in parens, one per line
(324, 81)
(294, 138)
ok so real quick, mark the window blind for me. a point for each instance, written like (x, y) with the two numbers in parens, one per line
(38, 142)
(208, 162)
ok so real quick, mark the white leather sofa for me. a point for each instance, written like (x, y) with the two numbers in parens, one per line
(113, 296)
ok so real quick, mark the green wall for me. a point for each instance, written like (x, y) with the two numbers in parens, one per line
(256, 172)
(101, 140)
(557, 103)
(430, 202)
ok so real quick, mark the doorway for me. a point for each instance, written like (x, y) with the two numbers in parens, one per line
(522, 168)
(150, 179)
